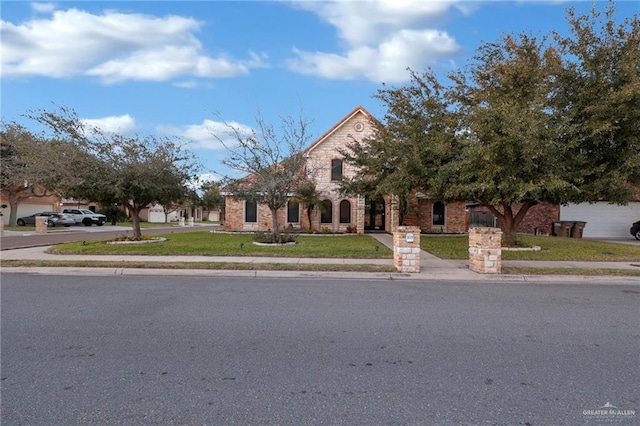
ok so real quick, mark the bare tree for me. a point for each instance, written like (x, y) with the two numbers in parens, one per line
(271, 160)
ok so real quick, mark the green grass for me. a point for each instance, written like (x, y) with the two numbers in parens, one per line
(571, 271)
(240, 266)
(218, 244)
(552, 248)
(143, 225)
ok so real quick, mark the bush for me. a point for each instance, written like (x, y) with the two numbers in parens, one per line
(269, 238)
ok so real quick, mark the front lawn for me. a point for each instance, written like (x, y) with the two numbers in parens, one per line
(552, 248)
(219, 244)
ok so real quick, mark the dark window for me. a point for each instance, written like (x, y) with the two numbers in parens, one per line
(336, 169)
(326, 212)
(250, 211)
(293, 212)
(438, 213)
(345, 211)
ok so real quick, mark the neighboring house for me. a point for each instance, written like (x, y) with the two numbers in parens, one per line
(604, 220)
(29, 206)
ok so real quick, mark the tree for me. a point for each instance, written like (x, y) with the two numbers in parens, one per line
(27, 170)
(600, 95)
(308, 194)
(271, 160)
(134, 171)
(520, 125)
(212, 197)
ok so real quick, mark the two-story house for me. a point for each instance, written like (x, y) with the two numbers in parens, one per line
(338, 212)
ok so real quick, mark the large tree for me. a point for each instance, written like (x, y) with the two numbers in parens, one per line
(271, 161)
(27, 169)
(134, 171)
(520, 125)
(599, 93)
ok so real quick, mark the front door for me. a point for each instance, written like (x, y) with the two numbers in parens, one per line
(374, 217)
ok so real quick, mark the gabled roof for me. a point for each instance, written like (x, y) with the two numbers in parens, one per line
(339, 124)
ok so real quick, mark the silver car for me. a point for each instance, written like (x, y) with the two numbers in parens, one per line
(53, 219)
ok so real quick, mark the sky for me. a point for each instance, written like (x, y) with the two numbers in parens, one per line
(180, 69)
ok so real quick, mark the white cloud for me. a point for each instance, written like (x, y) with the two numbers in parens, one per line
(121, 124)
(208, 134)
(382, 38)
(193, 84)
(42, 7)
(114, 47)
(386, 62)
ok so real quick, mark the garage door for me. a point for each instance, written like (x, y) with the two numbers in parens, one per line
(603, 220)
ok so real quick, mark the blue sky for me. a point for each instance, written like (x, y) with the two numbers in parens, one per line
(176, 68)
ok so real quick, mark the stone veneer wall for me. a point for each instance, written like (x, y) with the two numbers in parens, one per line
(485, 250)
(41, 225)
(406, 254)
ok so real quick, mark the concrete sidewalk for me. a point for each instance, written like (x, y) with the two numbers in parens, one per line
(432, 268)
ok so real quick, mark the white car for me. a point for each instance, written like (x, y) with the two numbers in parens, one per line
(86, 217)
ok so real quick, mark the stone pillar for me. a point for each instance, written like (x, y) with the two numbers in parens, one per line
(1, 225)
(406, 249)
(41, 224)
(394, 213)
(181, 222)
(360, 212)
(190, 221)
(485, 252)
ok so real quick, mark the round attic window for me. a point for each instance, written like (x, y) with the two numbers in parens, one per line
(359, 127)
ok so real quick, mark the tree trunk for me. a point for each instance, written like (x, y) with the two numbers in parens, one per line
(135, 219)
(13, 215)
(508, 222)
(309, 211)
(274, 224)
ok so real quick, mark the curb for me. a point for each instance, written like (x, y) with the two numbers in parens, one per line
(378, 276)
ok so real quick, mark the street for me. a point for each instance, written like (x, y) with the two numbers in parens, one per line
(192, 350)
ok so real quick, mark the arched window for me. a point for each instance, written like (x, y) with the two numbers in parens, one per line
(326, 212)
(438, 213)
(336, 169)
(345, 211)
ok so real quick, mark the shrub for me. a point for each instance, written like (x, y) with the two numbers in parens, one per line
(269, 238)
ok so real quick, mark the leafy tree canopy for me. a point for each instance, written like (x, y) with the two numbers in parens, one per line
(527, 121)
(134, 171)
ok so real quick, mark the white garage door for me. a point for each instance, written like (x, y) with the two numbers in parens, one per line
(603, 220)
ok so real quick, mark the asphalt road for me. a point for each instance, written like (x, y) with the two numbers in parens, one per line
(153, 350)
(80, 233)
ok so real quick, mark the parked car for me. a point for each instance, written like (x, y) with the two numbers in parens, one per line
(635, 230)
(85, 217)
(53, 219)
